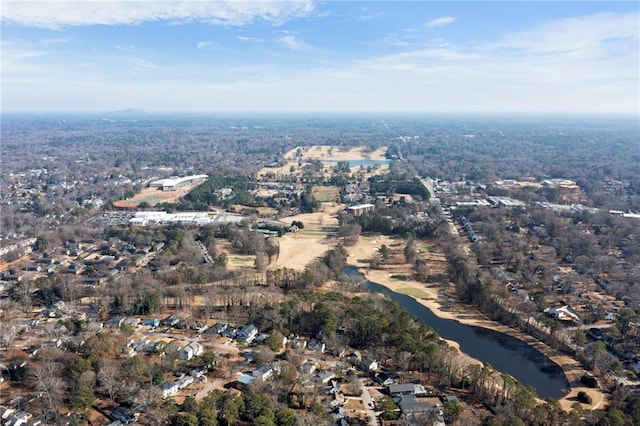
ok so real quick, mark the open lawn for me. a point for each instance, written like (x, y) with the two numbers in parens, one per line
(414, 292)
(326, 193)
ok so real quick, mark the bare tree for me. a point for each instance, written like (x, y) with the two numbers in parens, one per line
(49, 384)
(110, 378)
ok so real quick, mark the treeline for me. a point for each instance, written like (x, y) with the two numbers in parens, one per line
(220, 408)
(395, 219)
(208, 194)
(397, 184)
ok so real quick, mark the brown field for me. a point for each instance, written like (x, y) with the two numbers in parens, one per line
(152, 196)
(326, 193)
(323, 152)
(300, 249)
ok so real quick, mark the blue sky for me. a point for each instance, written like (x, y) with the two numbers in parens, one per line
(422, 56)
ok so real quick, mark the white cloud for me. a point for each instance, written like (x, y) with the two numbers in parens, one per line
(587, 63)
(576, 33)
(292, 42)
(18, 57)
(58, 14)
(140, 65)
(439, 22)
(251, 39)
(128, 48)
(57, 40)
(207, 45)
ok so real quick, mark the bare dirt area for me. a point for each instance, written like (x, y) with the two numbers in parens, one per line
(152, 196)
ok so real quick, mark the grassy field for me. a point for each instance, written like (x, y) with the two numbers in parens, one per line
(414, 292)
(239, 260)
(326, 193)
(151, 199)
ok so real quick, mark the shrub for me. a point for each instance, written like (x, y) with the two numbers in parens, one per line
(589, 381)
(584, 397)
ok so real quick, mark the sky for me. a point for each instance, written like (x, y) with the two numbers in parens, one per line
(325, 56)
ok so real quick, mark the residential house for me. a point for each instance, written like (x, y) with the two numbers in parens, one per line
(76, 268)
(218, 328)
(184, 381)
(563, 313)
(168, 389)
(308, 368)
(368, 364)
(247, 333)
(267, 371)
(151, 322)
(17, 419)
(412, 410)
(326, 376)
(264, 372)
(132, 321)
(386, 379)
(245, 379)
(338, 400)
(230, 333)
(316, 346)
(190, 351)
(354, 357)
(341, 413)
(5, 412)
(407, 389)
(124, 415)
(297, 343)
(171, 321)
(115, 322)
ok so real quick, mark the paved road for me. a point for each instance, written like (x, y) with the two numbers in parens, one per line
(368, 404)
(588, 326)
(210, 386)
(225, 348)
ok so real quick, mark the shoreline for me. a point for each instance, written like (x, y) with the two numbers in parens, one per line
(445, 307)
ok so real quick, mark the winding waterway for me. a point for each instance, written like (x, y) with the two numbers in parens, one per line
(503, 352)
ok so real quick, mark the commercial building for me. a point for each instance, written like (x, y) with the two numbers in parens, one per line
(175, 183)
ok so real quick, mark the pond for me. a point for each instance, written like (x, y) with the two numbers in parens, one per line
(362, 163)
(503, 352)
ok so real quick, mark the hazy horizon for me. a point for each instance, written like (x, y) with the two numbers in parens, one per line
(432, 57)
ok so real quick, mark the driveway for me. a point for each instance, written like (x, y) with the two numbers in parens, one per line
(367, 401)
